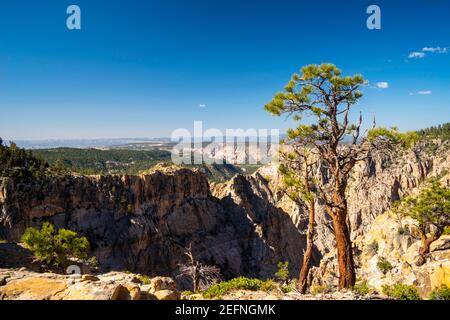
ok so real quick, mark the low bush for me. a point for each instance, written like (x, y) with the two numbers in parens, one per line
(317, 289)
(241, 283)
(401, 291)
(290, 286)
(55, 248)
(446, 231)
(362, 288)
(442, 293)
(384, 266)
(283, 272)
(144, 279)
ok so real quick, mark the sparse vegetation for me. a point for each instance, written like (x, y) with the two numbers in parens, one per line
(55, 248)
(442, 293)
(384, 265)
(283, 272)
(241, 283)
(406, 140)
(144, 279)
(290, 286)
(201, 275)
(362, 288)
(431, 211)
(319, 289)
(446, 231)
(401, 291)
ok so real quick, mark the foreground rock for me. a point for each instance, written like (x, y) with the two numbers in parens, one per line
(27, 285)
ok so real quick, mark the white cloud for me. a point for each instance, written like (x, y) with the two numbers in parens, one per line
(382, 85)
(202, 105)
(435, 49)
(424, 92)
(416, 55)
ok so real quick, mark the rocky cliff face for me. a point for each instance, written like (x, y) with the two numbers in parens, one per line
(144, 223)
(244, 226)
(374, 185)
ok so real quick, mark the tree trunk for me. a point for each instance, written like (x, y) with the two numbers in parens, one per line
(426, 244)
(347, 276)
(195, 279)
(306, 265)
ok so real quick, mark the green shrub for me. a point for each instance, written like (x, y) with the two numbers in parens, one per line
(384, 265)
(55, 248)
(442, 293)
(401, 292)
(316, 289)
(290, 286)
(446, 231)
(362, 288)
(267, 285)
(144, 279)
(241, 283)
(283, 271)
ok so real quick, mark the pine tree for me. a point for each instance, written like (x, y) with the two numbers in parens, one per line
(431, 211)
(326, 97)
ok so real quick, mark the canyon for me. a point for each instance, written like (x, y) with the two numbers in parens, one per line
(244, 226)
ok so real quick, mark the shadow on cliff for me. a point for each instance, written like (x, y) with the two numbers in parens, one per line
(274, 236)
(144, 224)
(13, 256)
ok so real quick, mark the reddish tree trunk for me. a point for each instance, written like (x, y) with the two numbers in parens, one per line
(306, 265)
(426, 244)
(347, 276)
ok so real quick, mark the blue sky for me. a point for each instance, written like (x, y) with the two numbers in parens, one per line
(143, 68)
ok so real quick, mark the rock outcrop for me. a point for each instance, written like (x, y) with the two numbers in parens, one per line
(396, 241)
(28, 285)
(244, 226)
(144, 223)
(374, 186)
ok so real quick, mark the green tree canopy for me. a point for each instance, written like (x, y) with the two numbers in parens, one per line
(55, 248)
(431, 211)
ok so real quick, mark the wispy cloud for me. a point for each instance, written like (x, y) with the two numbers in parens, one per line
(416, 55)
(202, 105)
(425, 50)
(421, 92)
(435, 49)
(382, 85)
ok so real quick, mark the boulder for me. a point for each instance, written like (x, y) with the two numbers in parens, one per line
(32, 289)
(162, 283)
(167, 295)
